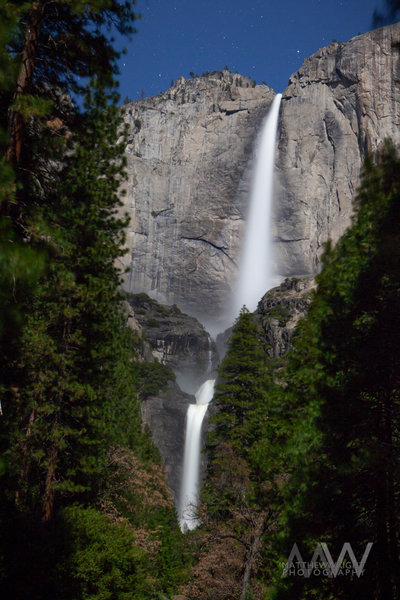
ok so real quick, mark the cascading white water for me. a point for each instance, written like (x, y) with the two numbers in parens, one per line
(255, 278)
(256, 265)
(191, 461)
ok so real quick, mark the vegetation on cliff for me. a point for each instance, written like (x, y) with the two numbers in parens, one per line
(342, 400)
(84, 509)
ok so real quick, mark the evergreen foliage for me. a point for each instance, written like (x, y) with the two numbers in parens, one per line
(249, 410)
(71, 378)
(66, 349)
(237, 509)
(388, 15)
(105, 561)
(343, 402)
(241, 388)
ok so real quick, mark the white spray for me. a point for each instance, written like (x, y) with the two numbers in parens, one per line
(191, 461)
(256, 265)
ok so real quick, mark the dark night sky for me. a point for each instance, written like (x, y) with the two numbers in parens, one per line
(266, 40)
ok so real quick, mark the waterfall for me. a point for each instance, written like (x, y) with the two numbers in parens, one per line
(191, 461)
(256, 265)
(255, 278)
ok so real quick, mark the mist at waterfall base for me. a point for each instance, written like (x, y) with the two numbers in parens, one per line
(189, 500)
(256, 277)
(256, 270)
(190, 379)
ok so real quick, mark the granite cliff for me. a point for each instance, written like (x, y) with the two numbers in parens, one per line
(341, 105)
(189, 161)
(187, 154)
(190, 156)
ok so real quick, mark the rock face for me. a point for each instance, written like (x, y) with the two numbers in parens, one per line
(280, 310)
(189, 162)
(187, 153)
(143, 347)
(177, 340)
(341, 105)
(165, 415)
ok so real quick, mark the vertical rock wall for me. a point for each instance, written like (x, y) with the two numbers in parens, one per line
(341, 105)
(187, 153)
(189, 162)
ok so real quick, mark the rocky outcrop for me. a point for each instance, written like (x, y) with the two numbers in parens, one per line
(341, 105)
(165, 415)
(280, 310)
(277, 315)
(177, 340)
(180, 342)
(187, 153)
(143, 347)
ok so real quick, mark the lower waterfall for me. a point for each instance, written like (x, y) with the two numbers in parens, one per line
(191, 462)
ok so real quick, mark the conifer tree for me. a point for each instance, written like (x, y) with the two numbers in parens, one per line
(67, 168)
(67, 346)
(20, 265)
(61, 233)
(241, 388)
(237, 499)
(343, 400)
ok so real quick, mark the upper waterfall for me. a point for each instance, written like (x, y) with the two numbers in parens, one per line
(256, 265)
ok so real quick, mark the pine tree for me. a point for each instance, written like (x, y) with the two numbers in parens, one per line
(67, 168)
(20, 265)
(61, 234)
(237, 498)
(343, 398)
(66, 350)
(69, 375)
(241, 388)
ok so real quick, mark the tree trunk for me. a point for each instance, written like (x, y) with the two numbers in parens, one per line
(24, 80)
(254, 547)
(48, 501)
